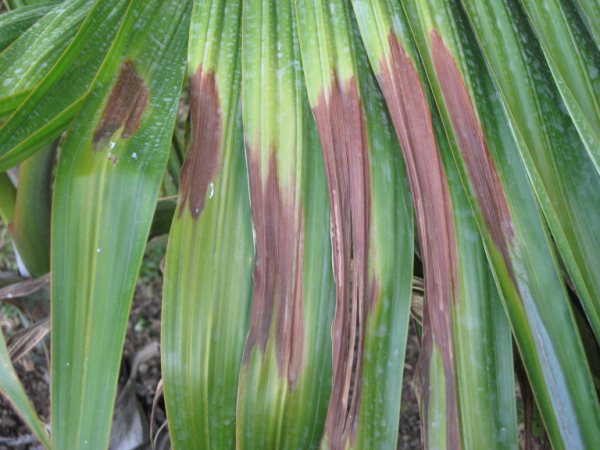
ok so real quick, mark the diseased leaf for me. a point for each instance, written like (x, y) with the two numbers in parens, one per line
(207, 284)
(25, 340)
(29, 59)
(285, 379)
(105, 195)
(466, 355)
(24, 288)
(562, 174)
(517, 245)
(371, 229)
(47, 110)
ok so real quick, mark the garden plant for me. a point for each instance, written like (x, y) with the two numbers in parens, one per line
(312, 161)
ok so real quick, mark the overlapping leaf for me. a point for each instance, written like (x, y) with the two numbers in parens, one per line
(562, 174)
(467, 338)
(574, 61)
(16, 22)
(510, 223)
(29, 59)
(47, 110)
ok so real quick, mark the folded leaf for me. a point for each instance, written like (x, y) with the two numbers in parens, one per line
(8, 195)
(30, 227)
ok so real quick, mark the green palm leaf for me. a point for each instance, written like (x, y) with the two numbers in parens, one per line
(16, 22)
(107, 182)
(517, 245)
(464, 306)
(590, 12)
(29, 59)
(371, 222)
(574, 61)
(285, 380)
(209, 256)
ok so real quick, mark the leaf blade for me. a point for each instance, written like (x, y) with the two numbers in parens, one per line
(371, 219)
(209, 255)
(548, 341)
(105, 196)
(285, 379)
(11, 387)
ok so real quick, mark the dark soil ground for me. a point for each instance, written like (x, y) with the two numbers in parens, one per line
(143, 329)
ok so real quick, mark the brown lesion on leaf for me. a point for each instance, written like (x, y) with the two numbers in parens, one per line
(279, 249)
(203, 158)
(341, 127)
(409, 108)
(126, 104)
(473, 147)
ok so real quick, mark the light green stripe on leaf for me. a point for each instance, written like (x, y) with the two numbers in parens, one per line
(574, 61)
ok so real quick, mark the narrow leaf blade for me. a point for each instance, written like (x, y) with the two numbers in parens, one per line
(285, 380)
(106, 189)
(510, 222)
(11, 387)
(207, 283)
(371, 219)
